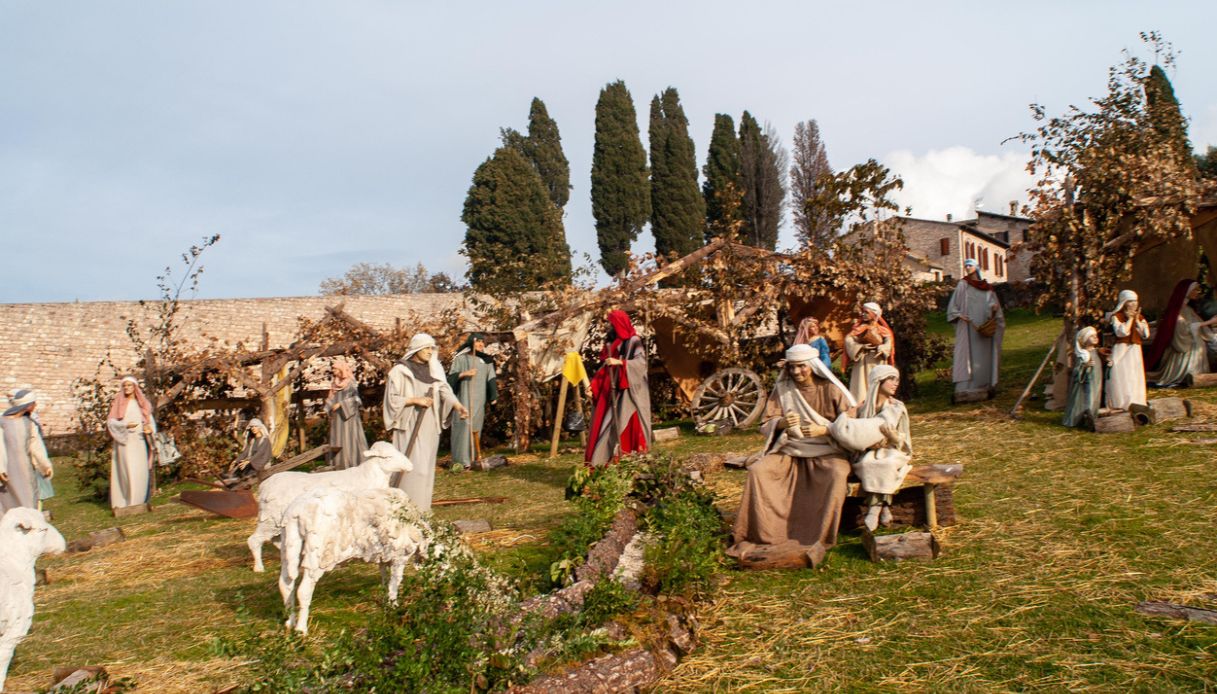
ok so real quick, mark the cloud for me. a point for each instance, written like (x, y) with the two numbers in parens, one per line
(957, 180)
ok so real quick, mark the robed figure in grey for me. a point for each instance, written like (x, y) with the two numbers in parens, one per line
(979, 328)
(473, 379)
(23, 455)
(621, 396)
(418, 406)
(346, 424)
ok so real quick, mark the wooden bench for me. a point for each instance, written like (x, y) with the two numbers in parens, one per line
(926, 498)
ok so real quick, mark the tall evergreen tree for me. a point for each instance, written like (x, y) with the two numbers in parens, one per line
(678, 212)
(514, 237)
(763, 174)
(723, 187)
(543, 147)
(1164, 112)
(810, 163)
(621, 193)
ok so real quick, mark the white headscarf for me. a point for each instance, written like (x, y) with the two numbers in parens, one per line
(256, 423)
(878, 374)
(1081, 353)
(872, 306)
(419, 342)
(1126, 296)
(800, 353)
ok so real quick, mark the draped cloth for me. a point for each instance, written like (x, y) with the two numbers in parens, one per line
(475, 394)
(879, 465)
(1125, 383)
(621, 396)
(346, 425)
(23, 458)
(1085, 382)
(977, 358)
(795, 492)
(257, 451)
(410, 379)
(1180, 348)
(130, 464)
(860, 358)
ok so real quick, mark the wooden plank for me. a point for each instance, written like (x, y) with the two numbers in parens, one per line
(297, 461)
(1157, 608)
(470, 500)
(133, 510)
(1194, 428)
(934, 474)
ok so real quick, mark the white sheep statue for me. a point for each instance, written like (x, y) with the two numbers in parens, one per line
(24, 536)
(326, 527)
(380, 463)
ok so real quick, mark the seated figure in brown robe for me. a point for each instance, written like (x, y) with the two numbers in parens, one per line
(794, 493)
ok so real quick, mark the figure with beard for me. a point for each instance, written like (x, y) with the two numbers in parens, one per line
(979, 328)
(418, 406)
(472, 378)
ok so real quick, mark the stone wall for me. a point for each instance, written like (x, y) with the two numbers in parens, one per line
(48, 346)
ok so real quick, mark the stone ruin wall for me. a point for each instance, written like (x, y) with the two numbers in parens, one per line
(48, 346)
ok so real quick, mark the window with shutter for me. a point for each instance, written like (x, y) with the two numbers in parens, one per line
(944, 246)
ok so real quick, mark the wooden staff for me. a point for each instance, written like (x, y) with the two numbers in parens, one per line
(1018, 405)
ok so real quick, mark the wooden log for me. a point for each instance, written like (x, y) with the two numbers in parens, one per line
(1114, 423)
(905, 546)
(297, 461)
(1167, 409)
(133, 510)
(934, 474)
(668, 434)
(1157, 608)
(788, 555)
(1204, 380)
(960, 397)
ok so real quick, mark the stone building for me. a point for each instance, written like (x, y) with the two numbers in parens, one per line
(993, 240)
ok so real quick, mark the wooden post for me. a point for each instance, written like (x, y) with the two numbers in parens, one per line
(931, 506)
(553, 444)
(265, 337)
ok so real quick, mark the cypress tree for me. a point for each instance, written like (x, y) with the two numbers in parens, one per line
(543, 147)
(514, 237)
(678, 212)
(1165, 114)
(763, 173)
(621, 194)
(723, 187)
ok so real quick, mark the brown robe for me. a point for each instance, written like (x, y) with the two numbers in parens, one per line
(790, 499)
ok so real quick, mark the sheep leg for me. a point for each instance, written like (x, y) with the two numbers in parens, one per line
(287, 590)
(7, 645)
(260, 536)
(396, 570)
(304, 596)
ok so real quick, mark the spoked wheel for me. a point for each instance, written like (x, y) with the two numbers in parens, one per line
(734, 395)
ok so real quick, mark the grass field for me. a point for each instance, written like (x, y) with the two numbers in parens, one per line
(1061, 533)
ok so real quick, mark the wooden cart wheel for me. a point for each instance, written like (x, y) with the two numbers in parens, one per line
(735, 395)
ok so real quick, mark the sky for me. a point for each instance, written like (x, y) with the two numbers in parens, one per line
(315, 135)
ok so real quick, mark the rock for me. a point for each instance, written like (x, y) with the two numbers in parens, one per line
(100, 538)
(472, 526)
(489, 463)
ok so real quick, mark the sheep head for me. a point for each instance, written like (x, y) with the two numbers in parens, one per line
(389, 459)
(29, 527)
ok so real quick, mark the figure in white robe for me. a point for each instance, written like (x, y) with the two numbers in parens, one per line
(869, 343)
(880, 440)
(473, 380)
(977, 356)
(1180, 348)
(23, 456)
(418, 406)
(130, 425)
(1125, 383)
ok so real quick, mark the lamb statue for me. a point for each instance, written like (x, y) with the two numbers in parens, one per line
(25, 535)
(380, 463)
(326, 527)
